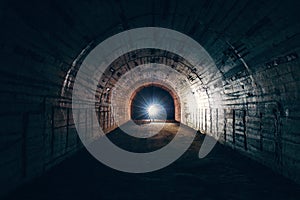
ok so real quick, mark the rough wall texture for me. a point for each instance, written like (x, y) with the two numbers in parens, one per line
(251, 103)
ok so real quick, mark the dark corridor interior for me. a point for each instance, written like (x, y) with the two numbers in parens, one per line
(217, 83)
(224, 174)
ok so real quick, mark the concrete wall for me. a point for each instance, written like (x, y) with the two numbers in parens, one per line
(263, 126)
(252, 103)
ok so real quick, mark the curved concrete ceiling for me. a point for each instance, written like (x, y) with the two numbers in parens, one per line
(249, 99)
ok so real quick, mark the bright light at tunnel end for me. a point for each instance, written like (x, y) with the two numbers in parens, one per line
(103, 149)
(152, 110)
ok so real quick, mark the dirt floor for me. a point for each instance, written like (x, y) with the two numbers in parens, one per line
(223, 174)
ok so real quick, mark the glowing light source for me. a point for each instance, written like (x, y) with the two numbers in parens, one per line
(153, 110)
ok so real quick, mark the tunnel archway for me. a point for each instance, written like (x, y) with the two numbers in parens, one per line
(255, 45)
(156, 96)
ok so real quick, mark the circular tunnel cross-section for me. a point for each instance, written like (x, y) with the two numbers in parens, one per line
(231, 67)
(152, 103)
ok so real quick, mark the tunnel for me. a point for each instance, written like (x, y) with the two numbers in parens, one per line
(156, 99)
(152, 102)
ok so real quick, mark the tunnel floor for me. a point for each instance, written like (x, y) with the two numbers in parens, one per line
(223, 174)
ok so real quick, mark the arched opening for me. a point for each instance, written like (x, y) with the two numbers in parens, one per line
(153, 102)
(245, 81)
(154, 95)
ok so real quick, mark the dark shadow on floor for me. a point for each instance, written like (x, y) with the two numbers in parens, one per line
(223, 174)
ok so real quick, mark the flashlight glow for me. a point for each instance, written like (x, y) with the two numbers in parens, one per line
(153, 110)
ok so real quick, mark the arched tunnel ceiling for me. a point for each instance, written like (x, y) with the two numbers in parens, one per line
(67, 31)
(136, 58)
(107, 63)
(253, 43)
(150, 74)
(244, 38)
